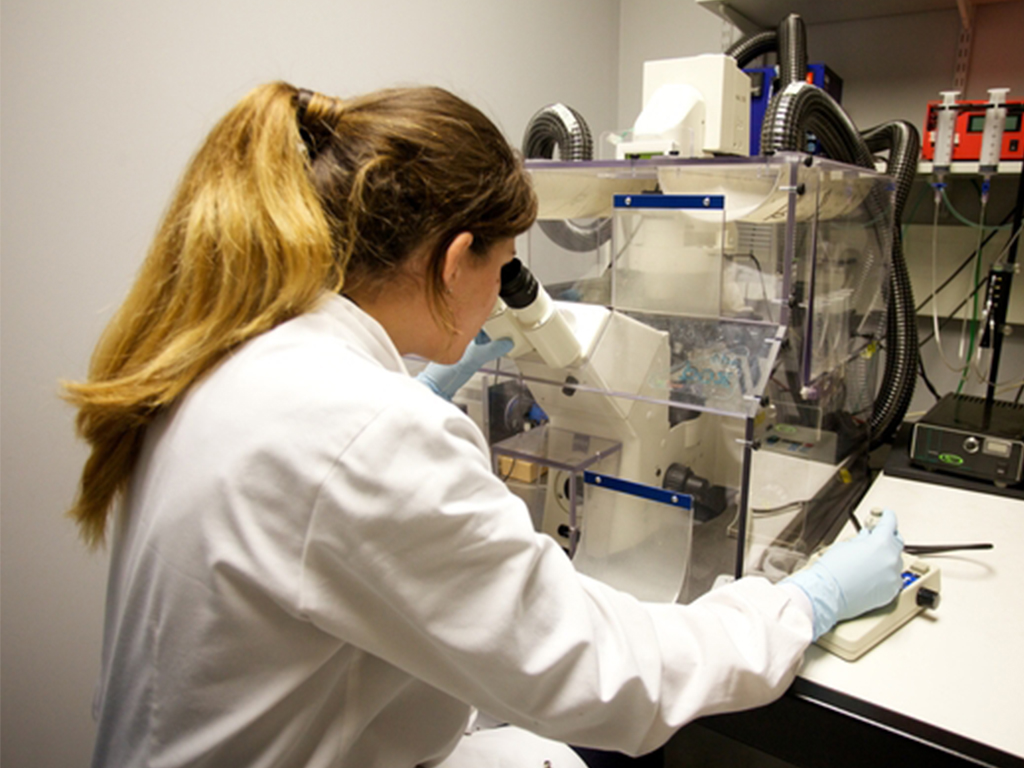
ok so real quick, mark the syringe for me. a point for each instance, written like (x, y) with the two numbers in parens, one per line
(945, 119)
(992, 137)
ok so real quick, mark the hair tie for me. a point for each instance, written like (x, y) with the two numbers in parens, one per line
(302, 99)
(307, 145)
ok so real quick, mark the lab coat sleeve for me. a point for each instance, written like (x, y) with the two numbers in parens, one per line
(418, 554)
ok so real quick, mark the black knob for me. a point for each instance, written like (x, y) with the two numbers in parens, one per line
(928, 598)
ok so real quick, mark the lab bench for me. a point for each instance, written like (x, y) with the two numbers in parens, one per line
(945, 689)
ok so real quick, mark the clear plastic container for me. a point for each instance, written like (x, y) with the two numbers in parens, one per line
(728, 313)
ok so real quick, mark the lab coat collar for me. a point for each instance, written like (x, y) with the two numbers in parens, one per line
(363, 330)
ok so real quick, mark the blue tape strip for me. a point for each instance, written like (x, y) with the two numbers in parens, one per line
(649, 492)
(672, 202)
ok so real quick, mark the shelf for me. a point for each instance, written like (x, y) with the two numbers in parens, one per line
(753, 15)
(964, 168)
(968, 167)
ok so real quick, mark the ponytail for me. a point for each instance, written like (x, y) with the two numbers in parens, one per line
(293, 193)
(244, 246)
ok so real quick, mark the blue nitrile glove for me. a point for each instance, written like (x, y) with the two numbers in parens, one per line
(446, 380)
(854, 576)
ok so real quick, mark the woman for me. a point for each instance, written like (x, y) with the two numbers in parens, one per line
(312, 563)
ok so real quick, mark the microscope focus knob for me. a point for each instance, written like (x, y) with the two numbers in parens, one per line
(928, 598)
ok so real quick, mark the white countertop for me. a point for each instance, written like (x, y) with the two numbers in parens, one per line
(959, 668)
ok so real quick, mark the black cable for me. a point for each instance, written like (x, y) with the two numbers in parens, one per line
(950, 316)
(963, 265)
(940, 549)
(920, 362)
(953, 312)
(926, 380)
(928, 549)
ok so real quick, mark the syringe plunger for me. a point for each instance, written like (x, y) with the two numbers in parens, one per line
(945, 125)
(992, 137)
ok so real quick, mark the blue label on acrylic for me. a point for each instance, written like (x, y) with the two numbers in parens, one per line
(649, 492)
(672, 202)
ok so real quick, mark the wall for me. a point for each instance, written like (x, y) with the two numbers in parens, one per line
(662, 29)
(893, 66)
(102, 104)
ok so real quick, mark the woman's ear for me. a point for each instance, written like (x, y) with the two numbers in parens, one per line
(456, 258)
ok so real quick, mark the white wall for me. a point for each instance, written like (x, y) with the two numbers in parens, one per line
(662, 29)
(102, 105)
(893, 66)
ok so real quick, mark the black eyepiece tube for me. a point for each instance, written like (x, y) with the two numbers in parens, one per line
(518, 285)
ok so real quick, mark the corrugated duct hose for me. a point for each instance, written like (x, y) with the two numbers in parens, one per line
(798, 108)
(562, 127)
(749, 48)
(901, 354)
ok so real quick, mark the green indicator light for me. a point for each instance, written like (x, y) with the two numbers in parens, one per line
(785, 429)
(950, 458)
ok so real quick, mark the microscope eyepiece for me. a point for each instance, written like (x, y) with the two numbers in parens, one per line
(526, 314)
(518, 285)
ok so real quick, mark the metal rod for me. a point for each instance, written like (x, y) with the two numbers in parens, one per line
(1001, 306)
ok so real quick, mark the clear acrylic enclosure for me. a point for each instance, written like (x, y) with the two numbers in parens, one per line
(726, 314)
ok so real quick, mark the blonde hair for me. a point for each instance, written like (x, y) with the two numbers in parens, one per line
(292, 193)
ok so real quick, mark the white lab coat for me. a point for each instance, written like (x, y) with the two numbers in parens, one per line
(510, 747)
(318, 568)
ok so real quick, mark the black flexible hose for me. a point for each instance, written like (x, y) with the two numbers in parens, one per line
(792, 41)
(757, 44)
(904, 143)
(901, 351)
(559, 126)
(902, 355)
(799, 108)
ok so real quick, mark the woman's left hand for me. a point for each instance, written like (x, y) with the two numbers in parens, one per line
(446, 380)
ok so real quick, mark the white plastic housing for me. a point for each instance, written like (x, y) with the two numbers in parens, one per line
(502, 325)
(539, 326)
(694, 106)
